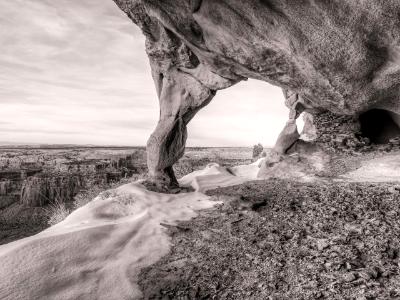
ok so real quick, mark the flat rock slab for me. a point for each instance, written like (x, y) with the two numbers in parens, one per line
(381, 169)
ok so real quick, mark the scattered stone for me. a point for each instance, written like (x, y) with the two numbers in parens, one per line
(322, 244)
(365, 275)
(278, 246)
(349, 277)
(352, 228)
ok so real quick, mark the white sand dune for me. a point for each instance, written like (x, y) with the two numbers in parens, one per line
(248, 172)
(99, 250)
(214, 176)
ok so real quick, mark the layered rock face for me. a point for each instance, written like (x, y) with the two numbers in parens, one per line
(10, 186)
(6, 195)
(37, 191)
(334, 56)
(35, 187)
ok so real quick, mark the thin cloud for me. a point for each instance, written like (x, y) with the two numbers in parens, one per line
(141, 123)
(16, 131)
(77, 72)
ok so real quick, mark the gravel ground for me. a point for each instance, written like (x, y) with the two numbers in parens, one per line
(278, 239)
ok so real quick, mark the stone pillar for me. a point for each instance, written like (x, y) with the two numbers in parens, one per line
(180, 97)
(288, 136)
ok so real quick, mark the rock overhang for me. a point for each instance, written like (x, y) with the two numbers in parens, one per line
(341, 57)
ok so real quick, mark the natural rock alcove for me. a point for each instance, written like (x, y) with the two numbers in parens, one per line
(328, 57)
(380, 126)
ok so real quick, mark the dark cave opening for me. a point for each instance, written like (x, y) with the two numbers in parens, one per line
(380, 126)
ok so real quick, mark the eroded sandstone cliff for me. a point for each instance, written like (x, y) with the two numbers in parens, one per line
(37, 191)
(341, 57)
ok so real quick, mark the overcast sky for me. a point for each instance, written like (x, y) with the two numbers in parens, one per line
(75, 71)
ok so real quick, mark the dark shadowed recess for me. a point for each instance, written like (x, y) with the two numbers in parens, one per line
(380, 125)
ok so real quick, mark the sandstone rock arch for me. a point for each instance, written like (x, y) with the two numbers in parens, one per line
(339, 56)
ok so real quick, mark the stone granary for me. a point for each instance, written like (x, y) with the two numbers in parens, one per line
(336, 60)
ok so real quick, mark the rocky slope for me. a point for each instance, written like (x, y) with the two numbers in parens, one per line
(280, 239)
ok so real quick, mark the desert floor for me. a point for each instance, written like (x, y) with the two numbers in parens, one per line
(233, 238)
(331, 238)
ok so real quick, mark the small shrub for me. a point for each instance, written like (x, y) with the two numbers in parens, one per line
(84, 197)
(257, 150)
(57, 212)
